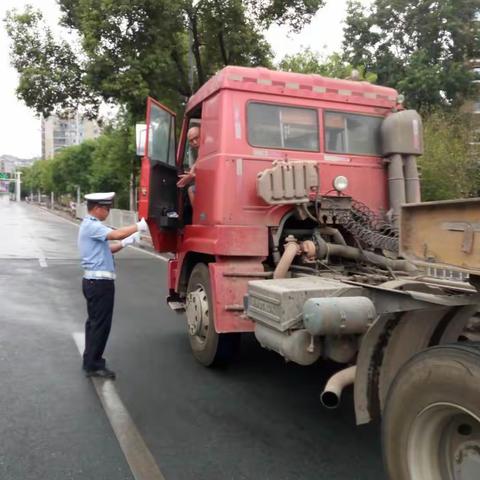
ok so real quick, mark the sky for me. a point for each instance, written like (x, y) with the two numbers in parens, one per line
(20, 129)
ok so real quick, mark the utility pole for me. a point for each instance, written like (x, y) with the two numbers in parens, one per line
(18, 184)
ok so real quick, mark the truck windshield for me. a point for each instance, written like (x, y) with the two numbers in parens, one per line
(352, 134)
(277, 126)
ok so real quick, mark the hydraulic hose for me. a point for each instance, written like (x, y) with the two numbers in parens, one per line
(292, 249)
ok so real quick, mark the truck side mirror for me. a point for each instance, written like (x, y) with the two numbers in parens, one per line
(140, 138)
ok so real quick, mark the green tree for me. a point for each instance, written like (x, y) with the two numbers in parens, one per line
(103, 164)
(131, 49)
(419, 47)
(333, 65)
(449, 167)
(71, 167)
(42, 62)
(37, 177)
(111, 163)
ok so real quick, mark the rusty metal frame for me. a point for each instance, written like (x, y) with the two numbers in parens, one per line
(442, 233)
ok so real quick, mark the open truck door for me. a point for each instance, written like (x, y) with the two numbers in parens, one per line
(158, 200)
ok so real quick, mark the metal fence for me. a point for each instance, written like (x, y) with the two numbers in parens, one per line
(117, 218)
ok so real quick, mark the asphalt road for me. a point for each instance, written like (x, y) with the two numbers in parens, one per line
(258, 419)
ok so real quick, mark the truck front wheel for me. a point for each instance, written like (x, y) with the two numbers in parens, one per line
(431, 422)
(208, 347)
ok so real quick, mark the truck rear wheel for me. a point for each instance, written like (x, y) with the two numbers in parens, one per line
(208, 347)
(431, 423)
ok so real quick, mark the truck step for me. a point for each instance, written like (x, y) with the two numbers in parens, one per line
(178, 307)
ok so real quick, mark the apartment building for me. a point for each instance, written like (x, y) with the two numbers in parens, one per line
(58, 133)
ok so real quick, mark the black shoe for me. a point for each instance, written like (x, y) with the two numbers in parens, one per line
(102, 373)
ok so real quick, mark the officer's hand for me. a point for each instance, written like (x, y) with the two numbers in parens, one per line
(142, 226)
(131, 239)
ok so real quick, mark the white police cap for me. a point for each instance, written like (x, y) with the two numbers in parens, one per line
(105, 198)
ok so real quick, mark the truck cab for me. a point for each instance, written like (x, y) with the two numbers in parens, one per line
(253, 119)
(307, 229)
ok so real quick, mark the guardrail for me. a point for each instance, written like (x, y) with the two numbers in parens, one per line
(117, 218)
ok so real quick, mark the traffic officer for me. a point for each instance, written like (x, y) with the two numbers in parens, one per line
(99, 275)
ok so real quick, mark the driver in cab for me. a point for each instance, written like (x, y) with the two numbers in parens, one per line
(187, 179)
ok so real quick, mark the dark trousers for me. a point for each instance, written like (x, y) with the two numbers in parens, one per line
(100, 295)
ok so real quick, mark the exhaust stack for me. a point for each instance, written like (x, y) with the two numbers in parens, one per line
(402, 142)
(330, 397)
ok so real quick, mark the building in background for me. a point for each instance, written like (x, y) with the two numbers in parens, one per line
(58, 133)
(9, 167)
(9, 163)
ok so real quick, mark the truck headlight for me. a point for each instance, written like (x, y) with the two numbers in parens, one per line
(340, 183)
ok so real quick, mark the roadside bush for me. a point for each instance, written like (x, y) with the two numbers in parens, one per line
(449, 166)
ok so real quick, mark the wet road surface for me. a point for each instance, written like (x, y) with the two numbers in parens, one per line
(257, 419)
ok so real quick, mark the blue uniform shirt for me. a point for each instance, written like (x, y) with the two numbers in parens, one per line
(93, 245)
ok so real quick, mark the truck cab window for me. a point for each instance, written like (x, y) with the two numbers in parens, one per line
(277, 126)
(352, 134)
(161, 139)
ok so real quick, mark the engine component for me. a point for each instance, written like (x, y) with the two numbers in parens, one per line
(335, 233)
(292, 249)
(325, 249)
(279, 303)
(297, 346)
(330, 396)
(333, 208)
(370, 229)
(340, 349)
(288, 182)
(338, 315)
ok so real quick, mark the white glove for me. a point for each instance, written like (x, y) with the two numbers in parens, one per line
(142, 226)
(131, 239)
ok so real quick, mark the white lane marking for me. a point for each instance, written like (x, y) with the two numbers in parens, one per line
(79, 339)
(138, 456)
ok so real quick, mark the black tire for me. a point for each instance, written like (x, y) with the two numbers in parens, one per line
(431, 422)
(209, 347)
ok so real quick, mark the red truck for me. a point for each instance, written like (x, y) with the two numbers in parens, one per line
(307, 229)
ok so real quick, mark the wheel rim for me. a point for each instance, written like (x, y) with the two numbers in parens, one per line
(198, 313)
(444, 443)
